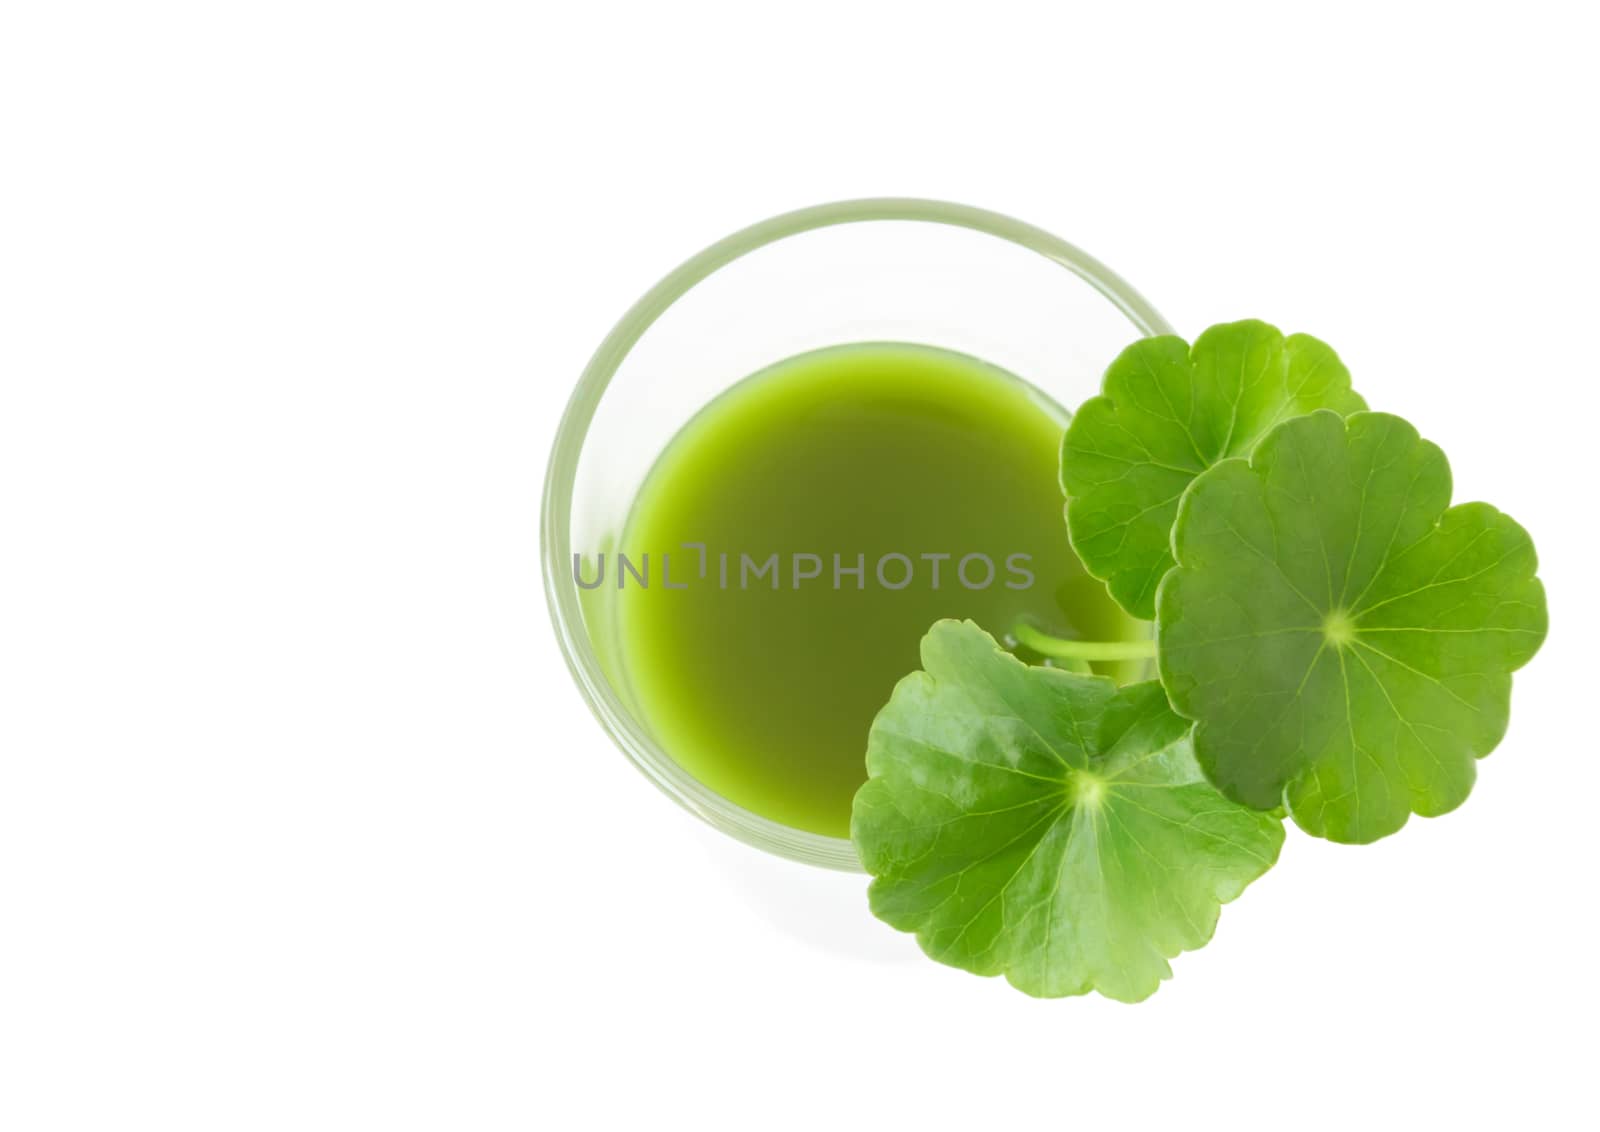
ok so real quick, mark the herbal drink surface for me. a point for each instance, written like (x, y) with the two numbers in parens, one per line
(914, 484)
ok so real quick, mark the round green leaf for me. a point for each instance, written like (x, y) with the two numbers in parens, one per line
(1166, 414)
(1044, 825)
(1343, 638)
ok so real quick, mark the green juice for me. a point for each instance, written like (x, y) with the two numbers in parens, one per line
(845, 499)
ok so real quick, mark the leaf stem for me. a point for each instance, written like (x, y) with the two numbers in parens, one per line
(1047, 645)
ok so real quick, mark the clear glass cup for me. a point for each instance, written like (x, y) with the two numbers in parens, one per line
(920, 271)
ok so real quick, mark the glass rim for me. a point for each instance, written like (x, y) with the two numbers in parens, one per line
(572, 431)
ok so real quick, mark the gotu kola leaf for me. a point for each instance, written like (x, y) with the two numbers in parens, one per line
(1343, 638)
(1166, 414)
(1045, 825)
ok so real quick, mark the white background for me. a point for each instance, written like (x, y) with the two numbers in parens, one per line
(303, 824)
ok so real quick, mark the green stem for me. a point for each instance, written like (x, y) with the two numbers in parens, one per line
(1047, 645)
